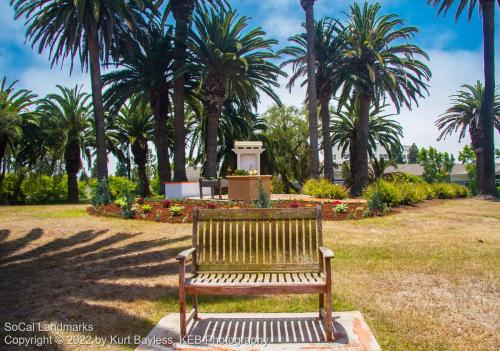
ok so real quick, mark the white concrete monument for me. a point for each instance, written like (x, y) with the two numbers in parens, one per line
(248, 154)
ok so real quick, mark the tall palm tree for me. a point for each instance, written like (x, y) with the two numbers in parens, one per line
(183, 12)
(382, 129)
(232, 65)
(66, 122)
(329, 58)
(235, 124)
(134, 126)
(465, 114)
(14, 112)
(487, 9)
(145, 69)
(83, 28)
(308, 6)
(381, 62)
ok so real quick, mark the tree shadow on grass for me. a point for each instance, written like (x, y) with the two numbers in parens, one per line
(79, 279)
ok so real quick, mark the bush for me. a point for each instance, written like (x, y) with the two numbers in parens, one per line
(385, 192)
(118, 186)
(240, 172)
(445, 190)
(43, 189)
(375, 199)
(277, 186)
(323, 189)
(410, 193)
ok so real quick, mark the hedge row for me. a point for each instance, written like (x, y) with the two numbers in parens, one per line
(384, 194)
(323, 189)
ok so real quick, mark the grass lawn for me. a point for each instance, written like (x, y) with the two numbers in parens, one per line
(426, 278)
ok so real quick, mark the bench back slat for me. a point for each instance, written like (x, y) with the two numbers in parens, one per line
(257, 239)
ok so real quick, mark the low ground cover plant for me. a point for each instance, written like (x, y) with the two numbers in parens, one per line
(324, 189)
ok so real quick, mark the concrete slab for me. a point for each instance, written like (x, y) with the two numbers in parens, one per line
(261, 331)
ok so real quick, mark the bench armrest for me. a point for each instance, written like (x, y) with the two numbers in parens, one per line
(184, 255)
(326, 252)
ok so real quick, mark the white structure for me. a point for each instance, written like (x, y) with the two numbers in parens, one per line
(248, 154)
(182, 190)
(379, 152)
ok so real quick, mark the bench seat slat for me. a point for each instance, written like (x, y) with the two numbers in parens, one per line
(255, 279)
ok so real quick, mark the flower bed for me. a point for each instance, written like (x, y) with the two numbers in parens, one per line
(158, 212)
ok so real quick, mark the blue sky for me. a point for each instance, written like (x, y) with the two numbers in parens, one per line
(455, 50)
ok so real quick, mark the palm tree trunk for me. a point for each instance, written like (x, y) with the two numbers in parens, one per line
(487, 185)
(360, 171)
(476, 135)
(308, 6)
(140, 153)
(182, 11)
(327, 140)
(3, 147)
(214, 101)
(17, 192)
(159, 103)
(352, 159)
(95, 77)
(73, 164)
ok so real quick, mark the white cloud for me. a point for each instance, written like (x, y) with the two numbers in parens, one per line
(282, 27)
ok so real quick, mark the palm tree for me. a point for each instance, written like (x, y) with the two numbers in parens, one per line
(378, 167)
(380, 62)
(83, 28)
(182, 11)
(382, 129)
(235, 124)
(66, 122)
(134, 126)
(308, 6)
(14, 112)
(146, 70)
(487, 8)
(328, 50)
(465, 113)
(231, 65)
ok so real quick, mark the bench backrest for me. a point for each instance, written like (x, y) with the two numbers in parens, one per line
(257, 240)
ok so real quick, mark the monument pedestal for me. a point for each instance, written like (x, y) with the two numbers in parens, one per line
(245, 188)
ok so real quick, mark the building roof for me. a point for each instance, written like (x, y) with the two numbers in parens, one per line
(418, 170)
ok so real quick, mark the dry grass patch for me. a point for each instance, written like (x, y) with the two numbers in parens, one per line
(425, 278)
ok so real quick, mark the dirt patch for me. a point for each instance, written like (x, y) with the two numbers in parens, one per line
(159, 213)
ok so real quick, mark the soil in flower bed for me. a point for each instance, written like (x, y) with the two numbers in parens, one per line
(159, 213)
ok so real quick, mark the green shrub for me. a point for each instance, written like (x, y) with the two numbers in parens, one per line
(176, 210)
(262, 200)
(375, 199)
(8, 185)
(341, 208)
(43, 189)
(118, 186)
(146, 208)
(410, 193)
(323, 189)
(444, 190)
(277, 186)
(385, 191)
(460, 190)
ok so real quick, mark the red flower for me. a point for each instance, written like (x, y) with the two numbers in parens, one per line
(336, 202)
(294, 204)
(140, 200)
(211, 205)
(166, 203)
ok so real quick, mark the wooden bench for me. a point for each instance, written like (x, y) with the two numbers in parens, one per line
(256, 252)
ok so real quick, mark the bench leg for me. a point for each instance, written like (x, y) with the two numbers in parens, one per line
(328, 317)
(321, 304)
(194, 299)
(182, 301)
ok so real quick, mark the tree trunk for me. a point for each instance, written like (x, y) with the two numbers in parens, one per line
(73, 164)
(16, 195)
(95, 77)
(476, 135)
(214, 101)
(308, 6)
(3, 147)
(182, 11)
(327, 140)
(487, 185)
(159, 103)
(140, 152)
(352, 159)
(360, 171)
